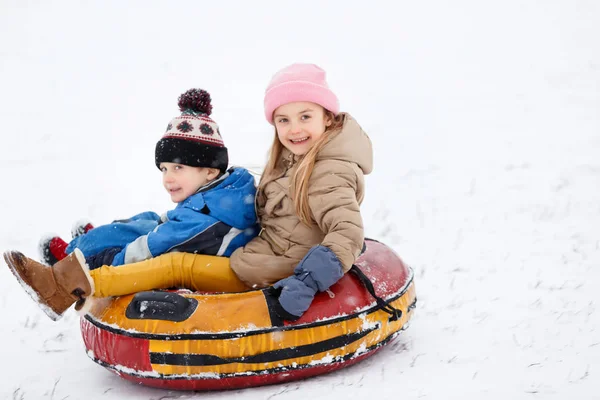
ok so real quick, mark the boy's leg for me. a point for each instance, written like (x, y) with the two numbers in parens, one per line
(81, 227)
(52, 249)
(190, 271)
(117, 234)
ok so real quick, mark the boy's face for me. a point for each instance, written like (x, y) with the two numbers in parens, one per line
(182, 181)
(300, 125)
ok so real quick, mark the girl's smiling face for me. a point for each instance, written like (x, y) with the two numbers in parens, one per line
(300, 125)
(182, 181)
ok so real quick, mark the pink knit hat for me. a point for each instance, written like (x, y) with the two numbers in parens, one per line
(299, 82)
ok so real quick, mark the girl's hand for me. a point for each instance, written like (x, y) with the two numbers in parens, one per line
(294, 296)
(317, 271)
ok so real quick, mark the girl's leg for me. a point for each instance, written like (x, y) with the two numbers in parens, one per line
(117, 234)
(70, 281)
(191, 271)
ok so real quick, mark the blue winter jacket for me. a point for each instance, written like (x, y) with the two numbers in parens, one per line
(216, 220)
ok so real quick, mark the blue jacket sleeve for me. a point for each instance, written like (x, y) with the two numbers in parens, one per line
(184, 232)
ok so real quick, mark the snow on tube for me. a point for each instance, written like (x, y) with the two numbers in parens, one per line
(206, 341)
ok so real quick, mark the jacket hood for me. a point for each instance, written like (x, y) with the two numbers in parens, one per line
(351, 144)
(229, 198)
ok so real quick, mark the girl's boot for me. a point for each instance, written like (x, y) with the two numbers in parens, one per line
(54, 288)
(70, 281)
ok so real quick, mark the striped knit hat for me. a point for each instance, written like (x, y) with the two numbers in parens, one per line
(193, 138)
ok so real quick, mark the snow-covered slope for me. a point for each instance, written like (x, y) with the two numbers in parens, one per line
(486, 127)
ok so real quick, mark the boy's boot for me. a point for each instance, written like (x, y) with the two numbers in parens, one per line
(52, 249)
(81, 227)
(54, 288)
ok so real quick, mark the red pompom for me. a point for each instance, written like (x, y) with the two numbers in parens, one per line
(197, 100)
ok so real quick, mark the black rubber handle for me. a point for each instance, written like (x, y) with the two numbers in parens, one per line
(164, 306)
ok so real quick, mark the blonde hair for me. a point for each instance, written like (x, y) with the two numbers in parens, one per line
(301, 177)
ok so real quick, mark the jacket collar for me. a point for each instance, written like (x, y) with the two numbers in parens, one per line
(216, 182)
(350, 144)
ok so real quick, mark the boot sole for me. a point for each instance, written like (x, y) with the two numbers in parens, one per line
(10, 261)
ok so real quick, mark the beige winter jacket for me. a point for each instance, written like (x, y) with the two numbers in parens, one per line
(336, 189)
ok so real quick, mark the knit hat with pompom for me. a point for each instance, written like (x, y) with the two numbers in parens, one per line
(193, 138)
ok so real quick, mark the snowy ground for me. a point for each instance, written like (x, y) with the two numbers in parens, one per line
(485, 118)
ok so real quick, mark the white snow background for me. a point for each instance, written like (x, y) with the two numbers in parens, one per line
(485, 121)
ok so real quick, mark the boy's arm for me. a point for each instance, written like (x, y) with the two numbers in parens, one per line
(185, 233)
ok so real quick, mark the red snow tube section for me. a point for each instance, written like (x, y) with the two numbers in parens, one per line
(209, 341)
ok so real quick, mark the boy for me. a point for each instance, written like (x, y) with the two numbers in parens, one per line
(215, 206)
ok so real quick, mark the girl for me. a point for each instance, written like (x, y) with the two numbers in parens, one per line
(307, 203)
